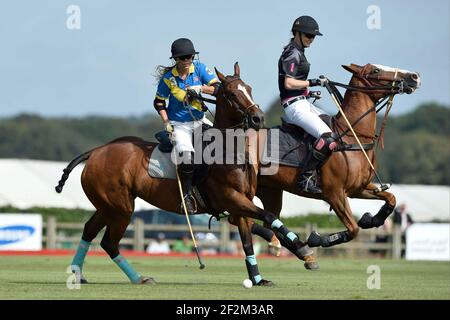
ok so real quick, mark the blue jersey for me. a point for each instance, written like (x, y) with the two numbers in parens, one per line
(172, 87)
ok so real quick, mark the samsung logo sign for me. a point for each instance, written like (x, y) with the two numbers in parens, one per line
(15, 233)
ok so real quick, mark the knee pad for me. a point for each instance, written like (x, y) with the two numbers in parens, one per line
(324, 146)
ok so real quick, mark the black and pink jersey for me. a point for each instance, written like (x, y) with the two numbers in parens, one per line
(292, 63)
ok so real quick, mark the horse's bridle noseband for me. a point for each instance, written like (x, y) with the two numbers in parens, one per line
(397, 86)
(244, 122)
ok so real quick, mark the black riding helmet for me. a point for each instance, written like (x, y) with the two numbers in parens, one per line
(182, 47)
(306, 24)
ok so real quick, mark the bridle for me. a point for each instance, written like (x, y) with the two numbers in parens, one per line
(243, 124)
(397, 87)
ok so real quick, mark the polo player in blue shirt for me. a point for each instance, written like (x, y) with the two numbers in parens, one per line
(181, 84)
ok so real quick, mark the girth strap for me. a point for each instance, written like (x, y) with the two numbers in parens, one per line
(354, 147)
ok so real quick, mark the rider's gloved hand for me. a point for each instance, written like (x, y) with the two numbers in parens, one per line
(194, 93)
(168, 127)
(318, 82)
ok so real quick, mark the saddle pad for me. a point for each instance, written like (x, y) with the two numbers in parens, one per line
(292, 150)
(161, 165)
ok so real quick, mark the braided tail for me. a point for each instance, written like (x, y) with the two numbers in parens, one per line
(69, 168)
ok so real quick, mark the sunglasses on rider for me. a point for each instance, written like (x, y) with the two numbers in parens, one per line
(310, 36)
(189, 57)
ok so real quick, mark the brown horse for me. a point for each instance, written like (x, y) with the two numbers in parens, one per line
(346, 173)
(116, 173)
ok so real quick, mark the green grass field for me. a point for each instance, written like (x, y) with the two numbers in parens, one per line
(44, 277)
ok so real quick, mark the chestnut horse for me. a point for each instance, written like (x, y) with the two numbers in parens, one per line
(116, 173)
(346, 173)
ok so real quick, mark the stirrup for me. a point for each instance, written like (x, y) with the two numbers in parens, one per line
(309, 185)
(190, 202)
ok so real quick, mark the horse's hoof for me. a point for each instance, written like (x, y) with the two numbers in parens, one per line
(314, 239)
(311, 262)
(274, 249)
(83, 281)
(265, 283)
(313, 266)
(146, 280)
(366, 221)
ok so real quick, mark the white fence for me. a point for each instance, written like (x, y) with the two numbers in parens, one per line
(67, 235)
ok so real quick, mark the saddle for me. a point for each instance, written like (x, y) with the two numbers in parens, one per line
(295, 144)
(290, 148)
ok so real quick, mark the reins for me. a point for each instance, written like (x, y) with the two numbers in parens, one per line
(392, 89)
(241, 125)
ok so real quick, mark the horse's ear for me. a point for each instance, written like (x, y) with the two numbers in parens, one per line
(220, 75)
(237, 70)
(353, 68)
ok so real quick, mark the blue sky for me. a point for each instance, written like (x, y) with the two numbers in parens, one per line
(107, 67)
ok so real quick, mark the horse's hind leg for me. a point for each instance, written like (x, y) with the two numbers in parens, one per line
(250, 257)
(110, 243)
(90, 231)
(367, 220)
(340, 205)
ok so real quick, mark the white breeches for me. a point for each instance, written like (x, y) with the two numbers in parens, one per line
(304, 114)
(182, 136)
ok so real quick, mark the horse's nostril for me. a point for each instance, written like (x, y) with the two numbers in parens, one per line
(414, 76)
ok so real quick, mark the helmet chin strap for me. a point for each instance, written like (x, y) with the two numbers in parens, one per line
(300, 38)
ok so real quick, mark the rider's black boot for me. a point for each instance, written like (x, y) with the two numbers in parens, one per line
(186, 173)
(322, 150)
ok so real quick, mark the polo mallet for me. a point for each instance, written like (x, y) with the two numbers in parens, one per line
(202, 266)
(382, 186)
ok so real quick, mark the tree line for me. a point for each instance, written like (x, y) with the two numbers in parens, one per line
(417, 145)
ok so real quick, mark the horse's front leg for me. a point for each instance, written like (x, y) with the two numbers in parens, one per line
(339, 203)
(367, 220)
(250, 257)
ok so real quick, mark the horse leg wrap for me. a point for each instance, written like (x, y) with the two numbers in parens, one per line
(317, 240)
(283, 233)
(123, 264)
(263, 232)
(80, 255)
(252, 269)
(368, 221)
(382, 215)
(290, 240)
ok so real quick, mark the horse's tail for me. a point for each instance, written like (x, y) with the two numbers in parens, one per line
(69, 168)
